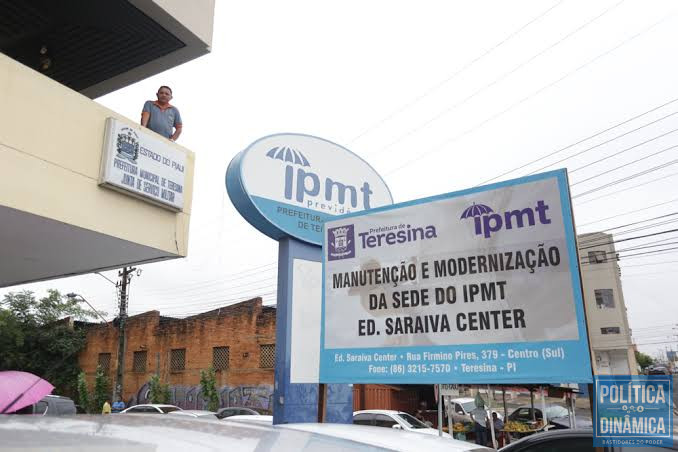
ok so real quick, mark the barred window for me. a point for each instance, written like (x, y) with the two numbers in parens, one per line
(220, 357)
(178, 359)
(139, 364)
(105, 362)
(267, 356)
(597, 257)
(604, 298)
(610, 330)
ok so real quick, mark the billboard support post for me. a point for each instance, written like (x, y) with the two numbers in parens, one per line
(300, 402)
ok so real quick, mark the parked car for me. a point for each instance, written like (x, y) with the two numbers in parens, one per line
(461, 409)
(557, 415)
(658, 370)
(150, 408)
(202, 414)
(395, 420)
(51, 405)
(236, 411)
(171, 433)
(256, 418)
(573, 440)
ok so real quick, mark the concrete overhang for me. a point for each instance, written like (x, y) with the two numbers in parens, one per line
(36, 248)
(96, 47)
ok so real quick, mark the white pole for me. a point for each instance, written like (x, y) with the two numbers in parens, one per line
(543, 405)
(574, 407)
(450, 427)
(489, 403)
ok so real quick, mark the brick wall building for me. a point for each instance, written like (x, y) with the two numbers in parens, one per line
(237, 340)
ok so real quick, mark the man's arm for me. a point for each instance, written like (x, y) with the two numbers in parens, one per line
(177, 132)
(145, 116)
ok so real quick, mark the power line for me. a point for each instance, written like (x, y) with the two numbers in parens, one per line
(477, 126)
(610, 140)
(494, 82)
(454, 75)
(633, 176)
(628, 213)
(584, 140)
(644, 184)
(627, 239)
(621, 166)
(211, 282)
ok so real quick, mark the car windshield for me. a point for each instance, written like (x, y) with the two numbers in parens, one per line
(469, 406)
(168, 409)
(411, 421)
(556, 411)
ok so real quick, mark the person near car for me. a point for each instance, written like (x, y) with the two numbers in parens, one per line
(118, 406)
(479, 416)
(498, 426)
(160, 116)
(106, 408)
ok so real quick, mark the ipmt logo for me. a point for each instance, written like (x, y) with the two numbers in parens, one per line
(308, 188)
(486, 221)
(340, 243)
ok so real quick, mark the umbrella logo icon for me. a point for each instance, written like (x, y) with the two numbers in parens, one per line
(476, 211)
(288, 155)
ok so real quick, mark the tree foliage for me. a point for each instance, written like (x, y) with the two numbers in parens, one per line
(101, 392)
(158, 392)
(83, 394)
(208, 385)
(644, 360)
(32, 339)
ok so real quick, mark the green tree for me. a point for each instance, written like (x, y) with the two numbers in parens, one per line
(208, 385)
(158, 392)
(101, 392)
(83, 393)
(644, 360)
(35, 338)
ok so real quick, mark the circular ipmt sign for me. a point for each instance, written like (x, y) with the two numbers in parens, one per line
(288, 185)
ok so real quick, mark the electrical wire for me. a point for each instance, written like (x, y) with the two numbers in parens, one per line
(583, 140)
(624, 165)
(453, 75)
(628, 212)
(644, 184)
(477, 126)
(633, 176)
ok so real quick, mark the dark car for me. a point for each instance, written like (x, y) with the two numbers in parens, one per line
(51, 405)
(571, 440)
(557, 415)
(236, 411)
(658, 370)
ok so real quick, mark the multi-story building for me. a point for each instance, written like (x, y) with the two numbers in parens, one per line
(238, 341)
(610, 336)
(58, 213)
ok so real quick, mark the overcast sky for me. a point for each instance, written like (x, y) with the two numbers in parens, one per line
(437, 96)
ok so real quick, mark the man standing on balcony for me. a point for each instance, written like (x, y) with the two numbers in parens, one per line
(160, 116)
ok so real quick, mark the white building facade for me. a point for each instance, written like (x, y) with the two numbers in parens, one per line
(611, 344)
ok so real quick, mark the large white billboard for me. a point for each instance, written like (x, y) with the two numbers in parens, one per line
(476, 286)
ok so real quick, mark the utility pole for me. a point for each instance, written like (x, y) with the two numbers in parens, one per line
(123, 295)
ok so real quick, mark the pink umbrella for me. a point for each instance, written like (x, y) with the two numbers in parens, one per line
(20, 389)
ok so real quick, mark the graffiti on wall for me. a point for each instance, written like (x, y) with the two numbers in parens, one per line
(190, 397)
